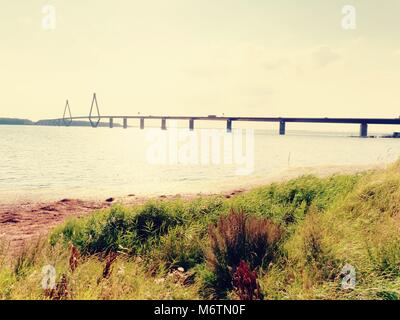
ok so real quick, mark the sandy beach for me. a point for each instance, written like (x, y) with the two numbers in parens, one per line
(22, 222)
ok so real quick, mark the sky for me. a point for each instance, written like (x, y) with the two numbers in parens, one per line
(199, 57)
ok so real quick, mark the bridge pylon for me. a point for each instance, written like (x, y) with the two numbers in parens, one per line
(94, 123)
(67, 120)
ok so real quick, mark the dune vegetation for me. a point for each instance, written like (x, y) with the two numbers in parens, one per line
(290, 240)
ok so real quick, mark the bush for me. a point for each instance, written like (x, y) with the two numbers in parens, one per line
(111, 233)
(153, 221)
(181, 247)
(238, 237)
(118, 229)
(289, 202)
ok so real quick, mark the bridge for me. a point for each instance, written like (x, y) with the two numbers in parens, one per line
(95, 120)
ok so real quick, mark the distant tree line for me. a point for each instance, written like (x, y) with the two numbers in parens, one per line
(26, 122)
(15, 121)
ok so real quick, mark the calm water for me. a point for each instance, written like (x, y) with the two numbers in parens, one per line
(57, 162)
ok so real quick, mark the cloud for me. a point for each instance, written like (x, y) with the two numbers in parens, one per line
(324, 56)
(277, 64)
(207, 71)
(24, 20)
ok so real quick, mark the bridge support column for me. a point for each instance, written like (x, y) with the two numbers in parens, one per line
(111, 123)
(282, 128)
(125, 123)
(163, 124)
(191, 124)
(142, 123)
(364, 130)
(229, 126)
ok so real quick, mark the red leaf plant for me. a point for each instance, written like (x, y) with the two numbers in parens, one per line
(245, 282)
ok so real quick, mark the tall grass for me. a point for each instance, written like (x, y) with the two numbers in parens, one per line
(239, 237)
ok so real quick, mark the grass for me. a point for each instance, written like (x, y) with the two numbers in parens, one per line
(295, 237)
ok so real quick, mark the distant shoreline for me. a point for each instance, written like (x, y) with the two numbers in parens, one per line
(55, 123)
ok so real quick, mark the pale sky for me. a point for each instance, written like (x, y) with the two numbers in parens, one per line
(200, 57)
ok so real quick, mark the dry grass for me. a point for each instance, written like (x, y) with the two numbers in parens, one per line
(111, 257)
(128, 280)
(362, 229)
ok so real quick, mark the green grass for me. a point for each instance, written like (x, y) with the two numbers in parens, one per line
(325, 223)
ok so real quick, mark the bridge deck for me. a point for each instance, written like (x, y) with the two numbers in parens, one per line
(363, 122)
(94, 120)
(388, 121)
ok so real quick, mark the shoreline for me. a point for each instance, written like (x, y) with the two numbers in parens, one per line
(22, 222)
(239, 182)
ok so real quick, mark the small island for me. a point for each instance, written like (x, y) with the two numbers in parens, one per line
(27, 122)
(16, 121)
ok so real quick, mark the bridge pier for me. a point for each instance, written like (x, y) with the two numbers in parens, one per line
(111, 123)
(191, 124)
(364, 130)
(141, 123)
(282, 128)
(229, 125)
(163, 124)
(125, 123)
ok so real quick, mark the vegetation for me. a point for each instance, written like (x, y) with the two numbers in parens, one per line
(15, 121)
(282, 241)
(27, 122)
(237, 238)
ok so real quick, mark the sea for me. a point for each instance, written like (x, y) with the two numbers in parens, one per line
(39, 162)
